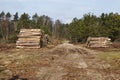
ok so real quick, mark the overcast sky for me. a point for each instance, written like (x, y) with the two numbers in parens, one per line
(65, 10)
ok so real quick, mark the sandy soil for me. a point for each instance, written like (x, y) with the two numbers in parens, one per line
(63, 62)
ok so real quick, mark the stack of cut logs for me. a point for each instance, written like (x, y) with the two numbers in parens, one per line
(29, 38)
(95, 42)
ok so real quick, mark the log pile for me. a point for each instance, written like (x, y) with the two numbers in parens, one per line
(98, 42)
(29, 38)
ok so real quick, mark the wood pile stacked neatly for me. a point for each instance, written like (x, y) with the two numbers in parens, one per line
(95, 42)
(29, 38)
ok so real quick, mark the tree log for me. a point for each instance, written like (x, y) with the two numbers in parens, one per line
(28, 47)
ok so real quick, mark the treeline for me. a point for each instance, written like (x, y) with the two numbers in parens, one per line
(78, 30)
(10, 25)
(106, 25)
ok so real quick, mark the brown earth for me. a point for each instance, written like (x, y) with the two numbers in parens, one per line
(63, 62)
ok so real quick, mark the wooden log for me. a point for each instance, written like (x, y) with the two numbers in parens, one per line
(94, 42)
(99, 42)
(29, 39)
(98, 45)
(30, 30)
(28, 44)
(33, 34)
(105, 39)
(28, 47)
(29, 36)
(98, 38)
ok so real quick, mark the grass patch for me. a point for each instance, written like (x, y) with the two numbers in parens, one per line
(113, 58)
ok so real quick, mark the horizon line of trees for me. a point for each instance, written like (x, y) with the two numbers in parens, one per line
(106, 25)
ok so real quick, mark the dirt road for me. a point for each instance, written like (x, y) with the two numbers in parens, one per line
(63, 62)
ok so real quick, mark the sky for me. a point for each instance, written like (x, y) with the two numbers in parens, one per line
(64, 10)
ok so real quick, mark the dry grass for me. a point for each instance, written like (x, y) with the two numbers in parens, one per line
(113, 58)
(63, 62)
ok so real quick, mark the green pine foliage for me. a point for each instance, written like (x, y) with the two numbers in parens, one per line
(105, 25)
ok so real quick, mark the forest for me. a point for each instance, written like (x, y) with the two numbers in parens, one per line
(105, 25)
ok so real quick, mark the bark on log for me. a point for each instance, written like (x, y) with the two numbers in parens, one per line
(29, 36)
(28, 47)
(29, 39)
(25, 35)
(30, 30)
(28, 44)
(19, 42)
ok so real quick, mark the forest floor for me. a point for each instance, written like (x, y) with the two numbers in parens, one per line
(62, 62)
